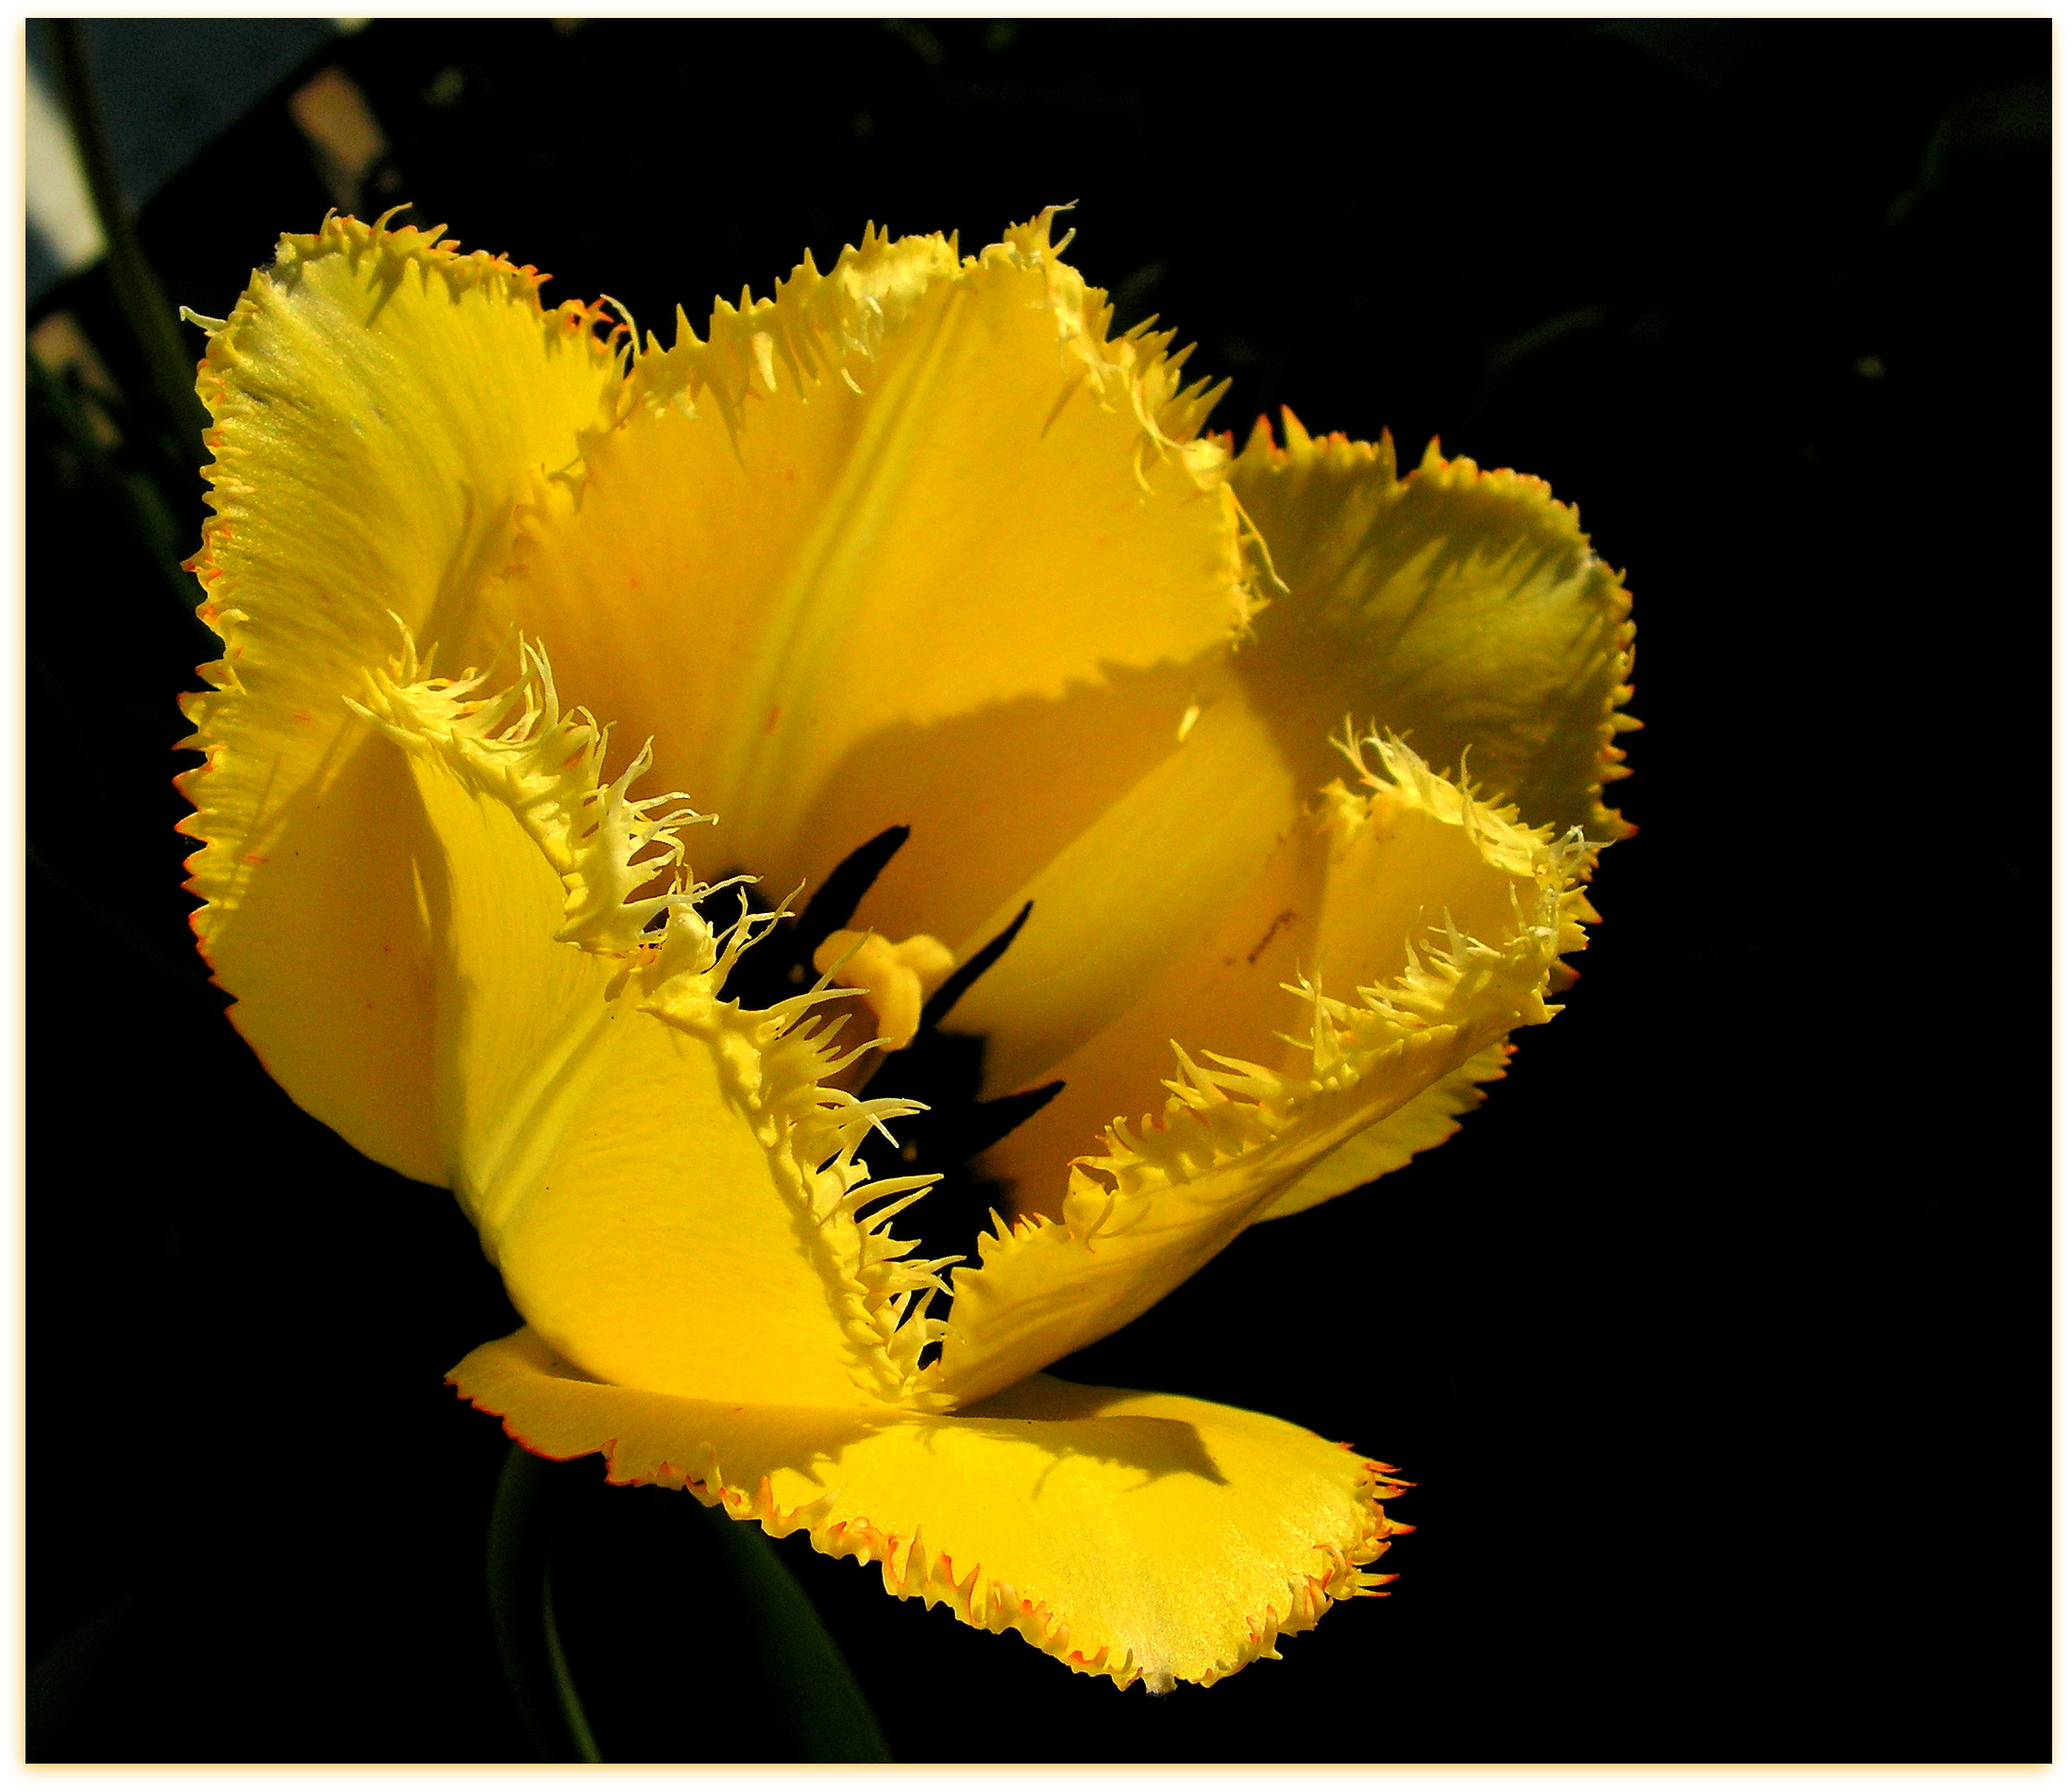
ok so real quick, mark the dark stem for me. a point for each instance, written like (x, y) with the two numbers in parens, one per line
(521, 1611)
(808, 1679)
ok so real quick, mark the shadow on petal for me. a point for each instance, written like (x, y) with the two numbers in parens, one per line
(1136, 1535)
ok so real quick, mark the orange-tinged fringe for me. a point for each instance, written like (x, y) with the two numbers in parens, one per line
(828, 325)
(394, 251)
(908, 1566)
(1187, 1178)
(821, 327)
(1535, 495)
(1530, 495)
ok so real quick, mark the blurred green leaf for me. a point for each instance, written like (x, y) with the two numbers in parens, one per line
(60, 1688)
(809, 1680)
(521, 1608)
(151, 319)
(134, 500)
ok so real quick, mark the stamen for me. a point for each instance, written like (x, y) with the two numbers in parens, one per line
(960, 982)
(945, 1071)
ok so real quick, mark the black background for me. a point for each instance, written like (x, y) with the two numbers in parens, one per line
(1716, 1342)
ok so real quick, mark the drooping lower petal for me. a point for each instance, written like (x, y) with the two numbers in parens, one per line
(379, 402)
(1440, 919)
(1141, 1536)
(1461, 610)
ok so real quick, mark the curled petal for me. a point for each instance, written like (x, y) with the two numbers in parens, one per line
(379, 402)
(1440, 918)
(1461, 609)
(1462, 612)
(1425, 1119)
(1141, 1536)
(666, 1180)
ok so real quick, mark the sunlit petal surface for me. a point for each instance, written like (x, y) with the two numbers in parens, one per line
(878, 769)
(379, 402)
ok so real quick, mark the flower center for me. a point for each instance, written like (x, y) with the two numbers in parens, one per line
(942, 1068)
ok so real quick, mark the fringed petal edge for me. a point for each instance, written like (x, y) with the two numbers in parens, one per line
(1156, 1200)
(791, 1469)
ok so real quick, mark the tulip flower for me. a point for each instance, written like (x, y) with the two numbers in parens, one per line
(1104, 841)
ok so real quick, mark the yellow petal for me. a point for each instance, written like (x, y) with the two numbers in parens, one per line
(914, 542)
(1136, 1535)
(1439, 921)
(1461, 606)
(378, 401)
(1222, 984)
(1459, 609)
(667, 1186)
(1117, 904)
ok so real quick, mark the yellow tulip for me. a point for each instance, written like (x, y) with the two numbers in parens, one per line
(916, 545)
